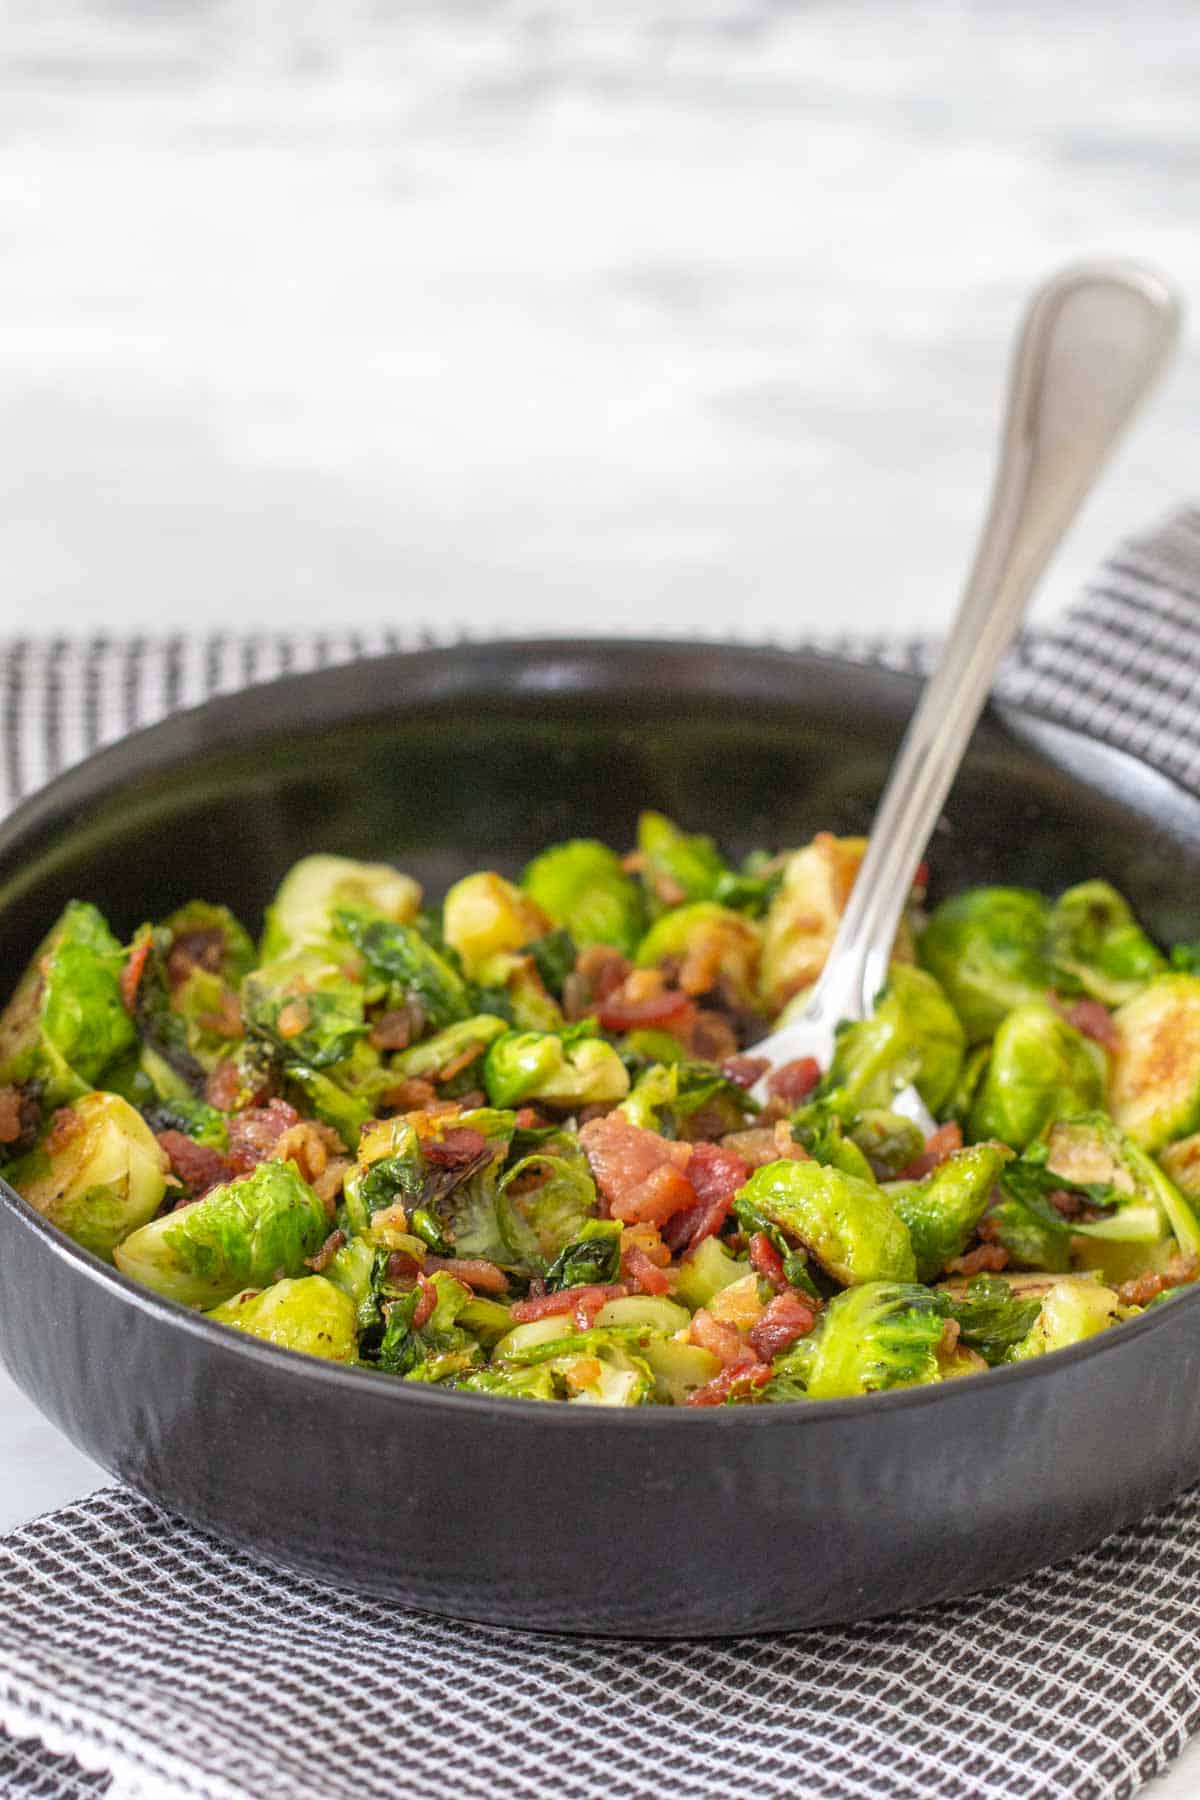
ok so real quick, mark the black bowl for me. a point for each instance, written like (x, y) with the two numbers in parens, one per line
(649, 1522)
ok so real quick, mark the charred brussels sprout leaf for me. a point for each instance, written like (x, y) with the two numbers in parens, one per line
(582, 887)
(888, 1140)
(1041, 1068)
(214, 938)
(913, 1036)
(677, 867)
(987, 947)
(194, 1118)
(451, 1046)
(594, 1257)
(667, 1097)
(485, 916)
(441, 1348)
(554, 958)
(1096, 944)
(992, 1315)
(98, 1174)
(544, 1203)
(306, 1008)
(942, 1211)
(66, 1021)
(301, 916)
(1154, 1093)
(244, 1234)
(412, 970)
(567, 1069)
(880, 1335)
(848, 1224)
(308, 1314)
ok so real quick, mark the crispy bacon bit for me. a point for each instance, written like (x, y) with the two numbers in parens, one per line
(253, 1134)
(640, 1175)
(11, 1126)
(1088, 1016)
(788, 1316)
(721, 1338)
(715, 1175)
(226, 1022)
(413, 1095)
(568, 1300)
(1068, 1204)
(396, 1030)
(198, 1166)
(766, 1261)
(764, 1144)
(741, 1377)
(940, 1145)
(948, 1342)
(603, 968)
(646, 1239)
(316, 1151)
(645, 999)
(985, 1258)
(794, 1081)
(326, 1253)
(64, 1125)
(642, 1273)
(294, 1018)
(425, 1304)
(455, 1148)
(529, 1119)
(709, 1036)
(472, 1271)
(223, 1086)
(132, 973)
(1144, 1288)
(203, 948)
(744, 1071)
(402, 1267)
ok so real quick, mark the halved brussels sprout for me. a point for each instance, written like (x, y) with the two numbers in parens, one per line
(702, 1275)
(566, 1070)
(301, 914)
(715, 946)
(246, 1233)
(449, 1047)
(805, 913)
(537, 1223)
(849, 1225)
(306, 1313)
(407, 967)
(1096, 944)
(677, 867)
(581, 886)
(1154, 1089)
(913, 1036)
(306, 1007)
(1074, 1307)
(513, 985)
(987, 947)
(485, 916)
(1041, 1068)
(942, 1211)
(66, 1022)
(876, 1336)
(98, 1173)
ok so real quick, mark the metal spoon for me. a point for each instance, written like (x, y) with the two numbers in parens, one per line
(1093, 341)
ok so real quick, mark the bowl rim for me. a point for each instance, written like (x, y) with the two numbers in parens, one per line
(99, 774)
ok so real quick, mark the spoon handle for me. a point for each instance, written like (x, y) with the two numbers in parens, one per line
(1092, 343)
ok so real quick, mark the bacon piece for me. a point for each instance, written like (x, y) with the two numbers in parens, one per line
(395, 1030)
(326, 1253)
(413, 1095)
(198, 1166)
(715, 1174)
(568, 1300)
(640, 1175)
(709, 1036)
(132, 973)
(990, 1257)
(738, 1377)
(646, 1239)
(455, 1148)
(720, 1338)
(1094, 1021)
(203, 948)
(254, 1133)
(472, 1271)
(11, 1126)
(425, 1304)
(793, 1081)
(766, 1261)
(644, 1275)
(668, 1008)
(744, 1071)
(787, 1317)
(940, 1146)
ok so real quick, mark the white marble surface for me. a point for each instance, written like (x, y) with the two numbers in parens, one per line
(650, 316)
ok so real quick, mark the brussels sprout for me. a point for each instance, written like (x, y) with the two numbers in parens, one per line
(535, 1383)
(879, 1335)
(992, 1315)
(888, 1140)
(679, 1098)
(212, 937)
(571, 1069)
(66, 1021)
(702, 1275)
(512, 986)
(1073, 1307)
(1181, 1163)
(410, 969)
(450, 1046)
(554, 957)
(678, 1368)
(307, 1313)
(246, 1233)
(484, 916)
(345, 1094)
(582, 887)
(818, 1127)
(538, 1223)
(987, 947)
(805, 914)
(970, 1079)
(358, 1268)
(394, 1169)
(849, 1225)
(439, 1349)
(942, 1211)
(1096, 944)
(306, 1009)
(593, 1258)
(194, 1118)
(1041, 1068)
(98, 1173)
(677, 868)
(716, 947)
(592, 1368)
(1154, 1089)
(648, 1311)
(302, 912)
(913, 1036)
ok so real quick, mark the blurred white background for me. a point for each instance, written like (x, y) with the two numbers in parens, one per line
(652, 316)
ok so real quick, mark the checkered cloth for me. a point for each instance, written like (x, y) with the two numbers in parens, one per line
(140, 1659)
